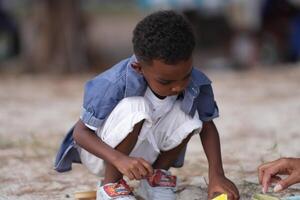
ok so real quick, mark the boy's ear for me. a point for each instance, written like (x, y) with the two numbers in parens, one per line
(137, 66)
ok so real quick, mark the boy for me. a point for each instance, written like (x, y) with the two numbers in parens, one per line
(139, 115)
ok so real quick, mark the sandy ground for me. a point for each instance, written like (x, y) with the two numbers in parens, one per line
(260, 112)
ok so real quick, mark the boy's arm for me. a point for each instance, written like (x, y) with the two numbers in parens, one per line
(218, 183)
(128, 166)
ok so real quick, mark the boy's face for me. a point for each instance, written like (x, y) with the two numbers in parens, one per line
(164, 79)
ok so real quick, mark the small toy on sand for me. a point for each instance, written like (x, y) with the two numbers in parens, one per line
(221, 197)
(268, 197)
(87, 195)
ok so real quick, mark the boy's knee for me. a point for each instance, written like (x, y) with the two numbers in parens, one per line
(125, 121)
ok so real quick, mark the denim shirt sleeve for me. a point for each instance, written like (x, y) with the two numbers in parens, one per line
(100, 97)
(206, 105)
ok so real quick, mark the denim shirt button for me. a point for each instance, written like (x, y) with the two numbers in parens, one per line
(195, 91)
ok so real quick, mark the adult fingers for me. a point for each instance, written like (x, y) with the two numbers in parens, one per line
(275, 179)
(266, 182)
(285, 183)
(263, 167)
(267, 176)
(266, 185)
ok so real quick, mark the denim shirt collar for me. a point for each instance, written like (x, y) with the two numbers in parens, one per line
(135, 82)
(136, 85)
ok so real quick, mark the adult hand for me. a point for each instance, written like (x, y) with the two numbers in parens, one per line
(268, 173)
(219, 184)
(133, 168)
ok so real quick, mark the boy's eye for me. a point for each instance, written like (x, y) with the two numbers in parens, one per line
(164, 82)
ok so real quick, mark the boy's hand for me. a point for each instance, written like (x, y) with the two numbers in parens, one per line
(133, 168)
(220, 184)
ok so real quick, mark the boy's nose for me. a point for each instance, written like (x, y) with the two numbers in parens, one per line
(177, 89)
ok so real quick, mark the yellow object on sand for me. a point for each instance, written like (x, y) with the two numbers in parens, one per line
(87, 195)
(221, 197)
(263, 197)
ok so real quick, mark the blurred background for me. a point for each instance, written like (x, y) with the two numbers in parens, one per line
(250, 49)
(76, 36)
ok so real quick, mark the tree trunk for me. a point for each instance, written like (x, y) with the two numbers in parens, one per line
(53, 37)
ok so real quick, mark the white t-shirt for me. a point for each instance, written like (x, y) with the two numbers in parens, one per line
(160, 107)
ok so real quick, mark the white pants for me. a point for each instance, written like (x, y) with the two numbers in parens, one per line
(158, 135)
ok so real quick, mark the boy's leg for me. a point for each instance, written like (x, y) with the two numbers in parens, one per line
(120, 131)
(112, 175)
(162, 185)
(166, 159)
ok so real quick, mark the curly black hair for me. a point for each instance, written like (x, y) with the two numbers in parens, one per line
(163, 35)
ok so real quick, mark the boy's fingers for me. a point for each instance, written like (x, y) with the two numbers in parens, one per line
(236, 195)
(147, 166)
(232, 189)
(142, 170)
(129, 175)
(214, 194)
(136, 174)
(232, 193)
(230, 196)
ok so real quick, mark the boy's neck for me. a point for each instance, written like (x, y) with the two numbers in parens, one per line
(158, 96)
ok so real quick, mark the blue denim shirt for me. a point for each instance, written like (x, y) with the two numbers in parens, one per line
(105, 91)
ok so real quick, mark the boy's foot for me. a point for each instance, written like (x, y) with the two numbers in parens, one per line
(160, 186)
(115, 191)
